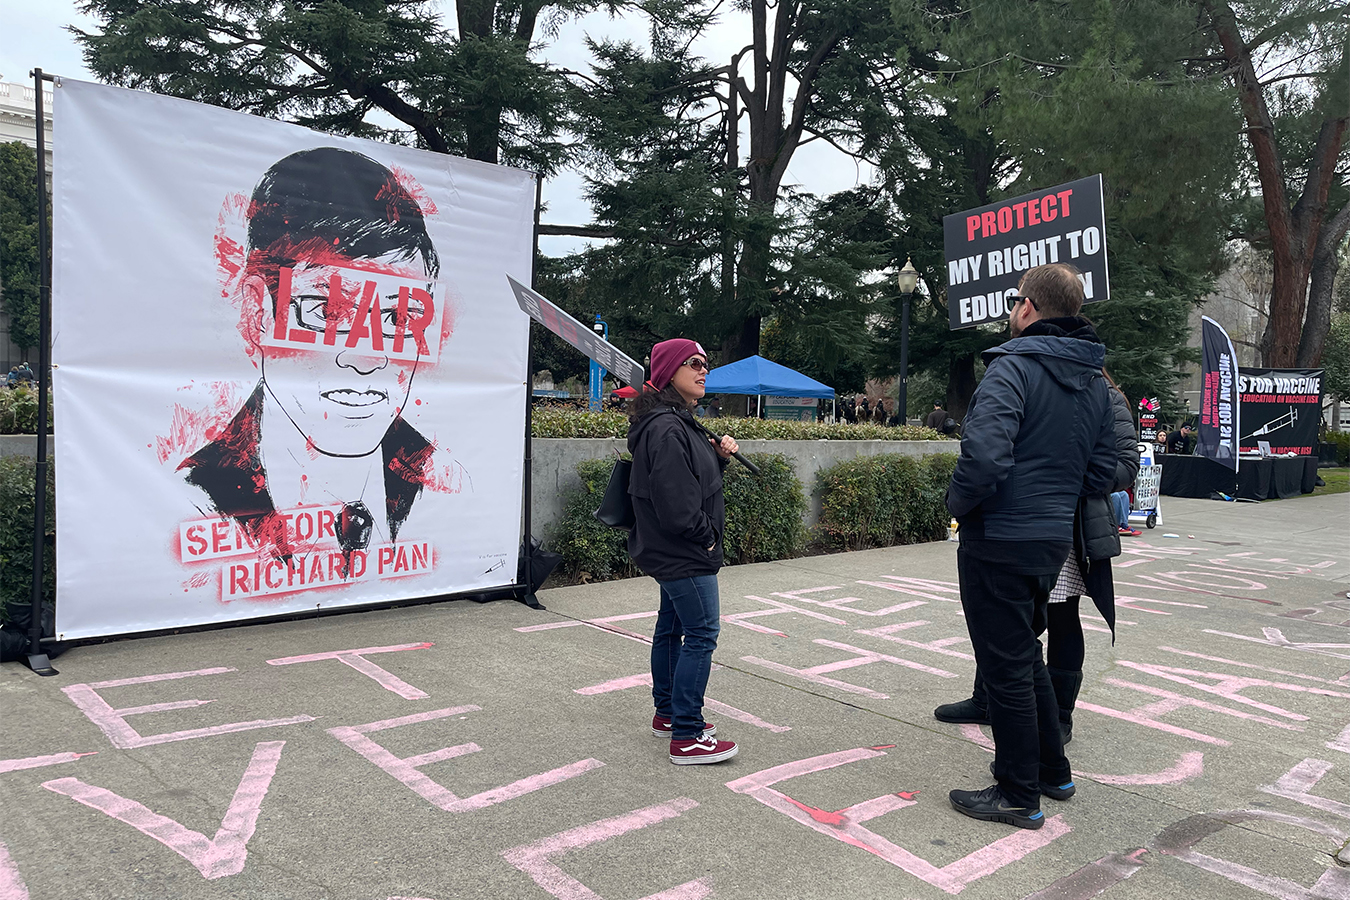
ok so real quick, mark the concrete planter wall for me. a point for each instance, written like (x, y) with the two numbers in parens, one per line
(24, 445)
(555, 463)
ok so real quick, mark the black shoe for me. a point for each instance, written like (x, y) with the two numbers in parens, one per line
(991, 806)
(964, 712)
(1061, 792)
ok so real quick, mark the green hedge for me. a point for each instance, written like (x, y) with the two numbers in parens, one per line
(871, 501)
(570, 423)
(19, 409)
(764, 519)
(878, 501)
(16, 534)
(590, 551)
(764, 512)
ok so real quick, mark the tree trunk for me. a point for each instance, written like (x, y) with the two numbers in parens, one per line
(482, 138)
(1293, 231)
(772, 143)
(482, 132)
(960, 385)
(1326, 262)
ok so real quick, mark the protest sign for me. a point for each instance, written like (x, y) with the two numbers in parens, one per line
(1148, 419)
(989, 249)
(1220, 413)
(289, 366)
(595, 347)
(1282, 407)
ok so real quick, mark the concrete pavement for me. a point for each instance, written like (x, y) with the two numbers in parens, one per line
(497, 751)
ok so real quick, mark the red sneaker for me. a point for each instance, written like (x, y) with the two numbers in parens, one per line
(1130, 532)
(661, 727)
(701, 752)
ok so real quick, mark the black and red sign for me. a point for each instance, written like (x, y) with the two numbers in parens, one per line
(989, 249)
(1281, 407)
(1148, 419)
(1220, 411)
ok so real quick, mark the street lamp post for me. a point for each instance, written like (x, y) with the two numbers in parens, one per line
(907, 280)
(597, 390)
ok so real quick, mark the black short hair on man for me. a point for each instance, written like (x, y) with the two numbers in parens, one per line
(1056, 288)
(328, 200)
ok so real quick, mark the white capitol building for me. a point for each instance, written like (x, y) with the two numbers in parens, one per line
(18, 122)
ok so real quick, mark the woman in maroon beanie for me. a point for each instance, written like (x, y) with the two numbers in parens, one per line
(676, 485)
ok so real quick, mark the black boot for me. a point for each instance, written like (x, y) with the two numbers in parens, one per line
(1066, 684)
(972, 711)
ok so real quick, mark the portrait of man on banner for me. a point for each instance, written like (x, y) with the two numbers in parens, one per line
(340, 307)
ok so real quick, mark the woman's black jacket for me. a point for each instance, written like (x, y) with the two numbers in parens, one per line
(1096, 534)
(676, 486)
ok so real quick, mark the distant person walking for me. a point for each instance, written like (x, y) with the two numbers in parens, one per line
(1039, 434)
(676, 486)
(935, 418)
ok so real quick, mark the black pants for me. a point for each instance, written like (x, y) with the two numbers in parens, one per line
(1064, 648)
(1004, 613)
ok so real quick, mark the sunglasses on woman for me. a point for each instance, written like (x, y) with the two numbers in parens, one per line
(697, 365)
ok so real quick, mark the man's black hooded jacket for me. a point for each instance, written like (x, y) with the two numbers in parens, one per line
(1039, 434)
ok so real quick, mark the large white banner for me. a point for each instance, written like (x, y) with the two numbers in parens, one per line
(290, 370)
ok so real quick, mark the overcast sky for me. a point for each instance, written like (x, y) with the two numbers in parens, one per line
(34, 35)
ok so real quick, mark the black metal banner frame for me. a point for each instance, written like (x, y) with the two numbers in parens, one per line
(37, 660)
(525, 591)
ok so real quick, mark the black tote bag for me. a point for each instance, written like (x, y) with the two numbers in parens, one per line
(616, 507)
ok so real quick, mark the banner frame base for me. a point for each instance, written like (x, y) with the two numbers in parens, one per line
(40, 664)
(510, 591)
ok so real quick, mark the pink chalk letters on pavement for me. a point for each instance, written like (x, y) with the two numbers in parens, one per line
(846, 824)
(217, 857)
(645, 680)
(37, 762)
(861, 657)
(113, 722)
(356, 659)
(405, 770)
(1298, 782)
(1190, 766)
(11, 885)
(1177, 840)
(535, 859)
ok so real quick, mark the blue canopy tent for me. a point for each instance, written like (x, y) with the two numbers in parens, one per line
(759, 376)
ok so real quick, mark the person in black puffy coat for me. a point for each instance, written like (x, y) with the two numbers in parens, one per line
(1086, 571)
(680, 518)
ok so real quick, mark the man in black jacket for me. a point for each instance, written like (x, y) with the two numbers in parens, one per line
(1179, 441)
(1038, 435)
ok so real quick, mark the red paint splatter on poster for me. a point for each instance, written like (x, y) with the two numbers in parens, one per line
(193, 425)
(415, 190)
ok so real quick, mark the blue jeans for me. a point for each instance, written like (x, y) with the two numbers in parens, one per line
(686, 635)
(1121, 501)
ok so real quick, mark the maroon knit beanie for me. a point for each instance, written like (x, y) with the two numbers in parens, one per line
(668, 356)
